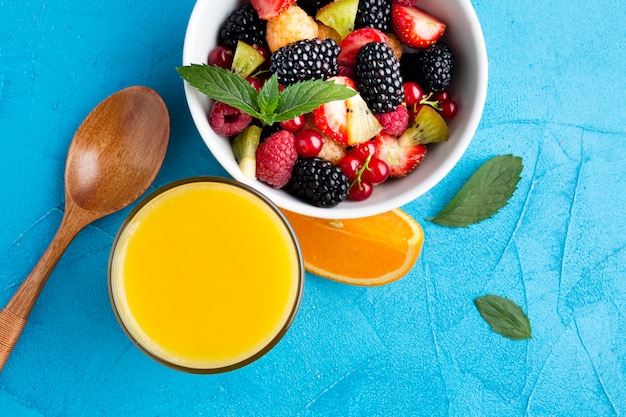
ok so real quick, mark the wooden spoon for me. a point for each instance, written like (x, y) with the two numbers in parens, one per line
(114, 157)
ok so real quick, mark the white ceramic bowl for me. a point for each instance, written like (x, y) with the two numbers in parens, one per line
(465, 38)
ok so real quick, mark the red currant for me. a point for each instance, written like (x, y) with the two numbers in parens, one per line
(294, 124)
(256, 83)
(221, 56)
(443, 96)
(309, 143)
(360, 190)
(376, 172)
(413, 93)
(350, 165)
(364, 150)
(449, 109)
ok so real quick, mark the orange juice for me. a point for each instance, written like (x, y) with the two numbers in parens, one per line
(205, 275)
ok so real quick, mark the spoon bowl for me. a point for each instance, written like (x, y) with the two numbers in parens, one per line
(113, 158)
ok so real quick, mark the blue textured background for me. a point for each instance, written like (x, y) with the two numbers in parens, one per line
(416, 347)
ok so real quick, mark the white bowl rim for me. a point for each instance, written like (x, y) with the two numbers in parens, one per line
(349, 209)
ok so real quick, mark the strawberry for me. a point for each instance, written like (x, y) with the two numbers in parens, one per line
(331, 118)
(347, 122)
(354, 41)
(400, 159)
(269, 9)
(414, 27)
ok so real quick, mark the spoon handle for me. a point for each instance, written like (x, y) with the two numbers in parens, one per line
(13, 317)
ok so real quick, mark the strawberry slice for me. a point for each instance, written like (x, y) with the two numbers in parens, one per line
(414, 27)
(400, 159)
(351, 44)
(269, 9)
(332, 118)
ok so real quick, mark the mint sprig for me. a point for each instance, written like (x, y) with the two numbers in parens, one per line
(269, 105)
(484, 194)
(504, 316)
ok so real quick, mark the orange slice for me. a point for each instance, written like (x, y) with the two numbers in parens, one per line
(369, 251)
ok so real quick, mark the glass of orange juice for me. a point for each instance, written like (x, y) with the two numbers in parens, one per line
(205, 275)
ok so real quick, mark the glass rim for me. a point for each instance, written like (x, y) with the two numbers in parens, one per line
(300, 278)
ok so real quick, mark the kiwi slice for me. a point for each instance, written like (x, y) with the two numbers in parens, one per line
(244, 148)
(246, 59)
(428, 127)
(339, 15)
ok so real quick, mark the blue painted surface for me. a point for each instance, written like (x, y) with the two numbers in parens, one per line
(415, 347)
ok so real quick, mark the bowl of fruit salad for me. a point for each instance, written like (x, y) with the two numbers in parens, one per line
(336, 108)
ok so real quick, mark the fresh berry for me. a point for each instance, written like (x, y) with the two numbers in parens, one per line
(339, 15)
(405, 2)
(364, 150)
(221, 56)
(349, 121)
(350, 165)
(269, 9)
(293, 25)
(449, 109)
(243, 24)
(309, 143)
(295, 124)
(378, 77)
(331, 150)
(414, 27)
(375, 14)
(443, 96)
(413, 93)
(227, 120)
(360, 190)
(401, 160)
(433, 67)
(394, 122)
(244, 148)
(275, 158)
(376, 171)
(352, 43)
(305, 60)
(428, 127)
(318, 182)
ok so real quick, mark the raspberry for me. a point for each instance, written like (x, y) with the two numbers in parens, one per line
(394, 122)
(275, 158)
(292, 25)
(227, 120)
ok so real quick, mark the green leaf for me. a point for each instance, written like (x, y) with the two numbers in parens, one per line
(268, 96)
(304, 97)
(269, 105)
(484, 194)
(504, 316)
(222, 85)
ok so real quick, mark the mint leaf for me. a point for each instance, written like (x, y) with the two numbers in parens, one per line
(269, 105)
(268, 96)
(222, 85)
(484, 194)
(504, 316)
(306, 96)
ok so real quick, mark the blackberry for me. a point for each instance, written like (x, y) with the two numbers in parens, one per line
(243, 24)
(375, 14)
(431, 67)
(318, 182)
(306, 60)
(377, 74)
